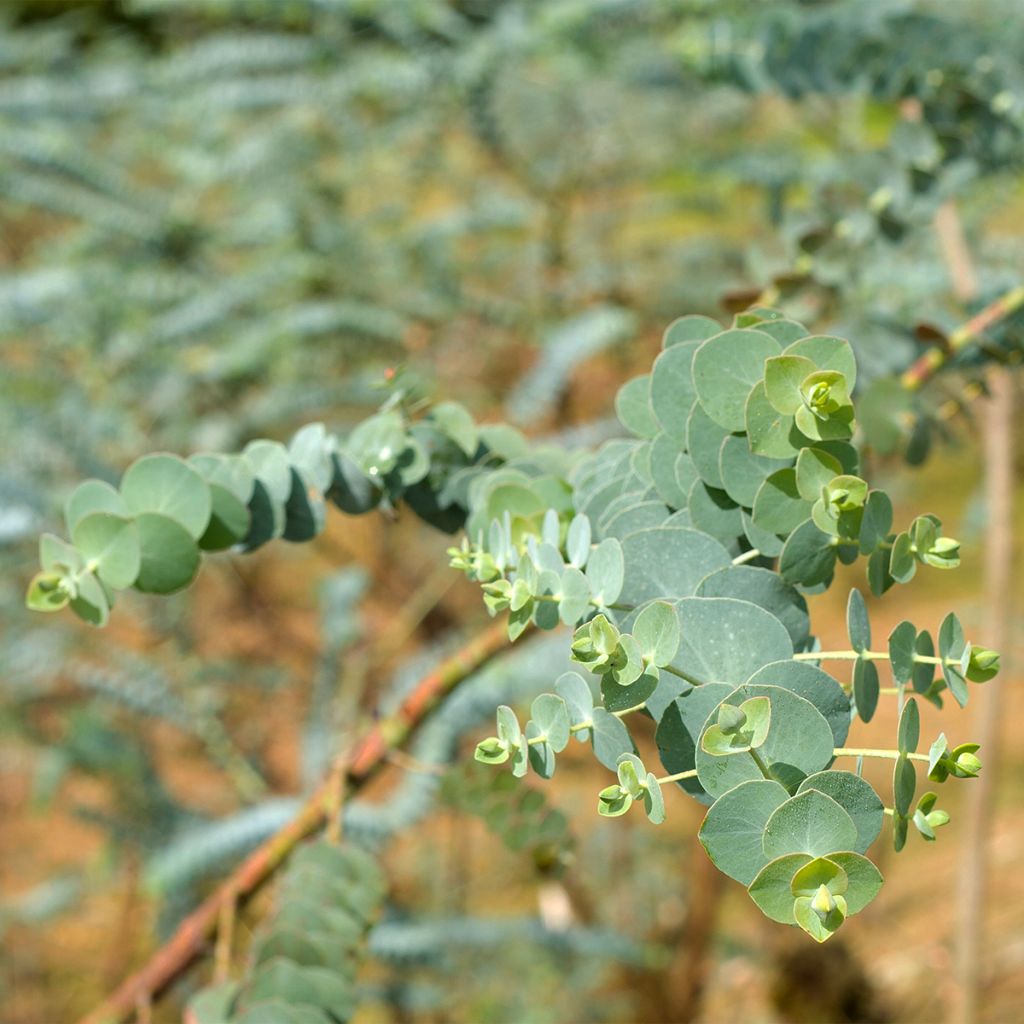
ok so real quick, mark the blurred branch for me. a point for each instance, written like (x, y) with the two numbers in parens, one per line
(189, 942)
(924, 368)
(973, 884)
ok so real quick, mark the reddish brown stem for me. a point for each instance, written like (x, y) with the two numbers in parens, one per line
(190, 941)
(925, 367)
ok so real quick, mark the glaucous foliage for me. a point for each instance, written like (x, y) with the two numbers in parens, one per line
(679, 555)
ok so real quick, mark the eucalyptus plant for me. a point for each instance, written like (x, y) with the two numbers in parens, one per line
(679, 556)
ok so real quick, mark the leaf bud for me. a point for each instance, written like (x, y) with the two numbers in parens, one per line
(731, 719)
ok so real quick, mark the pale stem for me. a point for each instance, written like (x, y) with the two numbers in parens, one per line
(747, 556)
(589, 723)
(892, 755)
(921, 659)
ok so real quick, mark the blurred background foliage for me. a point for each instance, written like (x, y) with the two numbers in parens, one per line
(223, 218)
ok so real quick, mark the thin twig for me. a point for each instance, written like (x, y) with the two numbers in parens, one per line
(225, 940)
(335, 799)
(191, 939)
(973, 884)
(927, 365)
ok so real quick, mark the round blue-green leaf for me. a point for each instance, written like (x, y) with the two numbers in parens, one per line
(291, 944)
(704, 441)
(808, 556)
(540, 754)
(667, 562)
(742, 471)
(770, 432)
(799, 743)
(814, 685)
(56, 555)
(610, 738)
(231, 472)
(169, 486)
(783, 376)
(901, 651)
(664, 455)
(689, 328)
(783, 331)
(732, 829)
(856, 797)
(551, 715)
(170, 556)
(294, 986)
(212, 1005)
(92, 496)
(508, 725)
(904, 783)
(844, 452)
(229, 520)
(617, 696)
(876, 522)
(310, 450)
(779, 507)
(672, 390)
(902, 564)
(305, 513)
(413, 463)
(656, 630)
(579, 701)
(810, 823)
(858, 625)
(767, 590)
(575, 599)
(91, 603)
(618, 504)
(725, 640)
(909, 732)
(654, 800)
(266, 518)
(923, 672)
(376, 444)
(771, 891)
(863, 879)
(111, 544)
(866, 688)
(633, 407)
(48, 592)
(953, 645)
(713, 512)
(605, 571)
(641, 516)
(600, 500)
(815, 468)
(686, 475)
(630, 772)
(456, 422)
(827, 353)
(577, 541)
(271, 465)
(725, 368)
(769, 544)
(351, 489)
(820, 929)
(679, 729)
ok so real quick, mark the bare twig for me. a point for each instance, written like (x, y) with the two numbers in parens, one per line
(191, 939)
(925, 367)
(973, 883)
